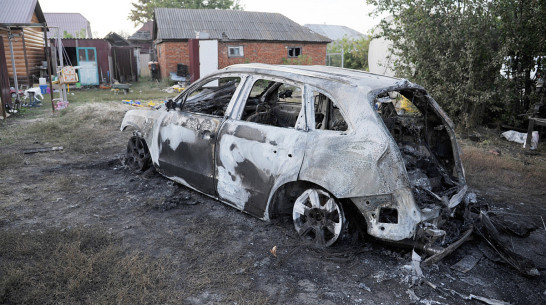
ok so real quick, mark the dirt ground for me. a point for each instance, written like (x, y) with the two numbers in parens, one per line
(214, 254)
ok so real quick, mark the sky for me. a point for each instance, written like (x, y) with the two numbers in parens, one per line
(111, 15)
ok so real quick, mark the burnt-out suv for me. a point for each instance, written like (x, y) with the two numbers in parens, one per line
(314, 142)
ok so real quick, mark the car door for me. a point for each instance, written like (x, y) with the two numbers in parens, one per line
(261, 146)
(186, 138)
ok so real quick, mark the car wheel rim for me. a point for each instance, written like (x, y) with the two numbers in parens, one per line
(318, 217)
(137, 157)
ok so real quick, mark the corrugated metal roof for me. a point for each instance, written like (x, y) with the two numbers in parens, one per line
(19, 11)
(144, 33)
(177, 24)
(72, 23)
(335, 32)
(116, 40)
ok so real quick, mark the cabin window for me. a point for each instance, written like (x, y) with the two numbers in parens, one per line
(274, 103)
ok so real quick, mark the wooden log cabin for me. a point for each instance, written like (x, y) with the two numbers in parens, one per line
(22, 19)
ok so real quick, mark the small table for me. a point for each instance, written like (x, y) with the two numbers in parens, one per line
(532, 123)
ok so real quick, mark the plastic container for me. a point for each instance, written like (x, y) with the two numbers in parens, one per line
(42, 81)
(43, 89)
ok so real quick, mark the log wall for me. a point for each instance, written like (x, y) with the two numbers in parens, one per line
(34, 43)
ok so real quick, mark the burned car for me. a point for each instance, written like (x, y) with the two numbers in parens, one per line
(321, 144)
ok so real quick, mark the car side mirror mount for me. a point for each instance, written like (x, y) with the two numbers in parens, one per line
(170, 104)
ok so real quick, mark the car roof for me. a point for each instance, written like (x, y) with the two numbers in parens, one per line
(326, 74)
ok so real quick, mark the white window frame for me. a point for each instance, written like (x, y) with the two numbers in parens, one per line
(240, 48)
(294, 48)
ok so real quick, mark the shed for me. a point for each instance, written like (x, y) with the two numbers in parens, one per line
(92, 55)
(21, 24)
(142, 40)
(101, 60)
(206, 40)
(125, 58)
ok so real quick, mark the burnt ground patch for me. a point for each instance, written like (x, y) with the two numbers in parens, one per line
(106, 225)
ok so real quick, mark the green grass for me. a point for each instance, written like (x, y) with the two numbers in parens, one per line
(81, 127)
(144, 90)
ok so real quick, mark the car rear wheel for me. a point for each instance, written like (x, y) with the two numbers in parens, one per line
(318, 217)
(138, 156)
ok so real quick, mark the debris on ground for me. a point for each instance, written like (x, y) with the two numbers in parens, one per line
(41, 149)
(274, 251)
(363, 286)
(521, 137)
(488, 301)
(449, 249)
(496, 152)
(487, 230)
(151, 104)
(60, 105)
(467, 263)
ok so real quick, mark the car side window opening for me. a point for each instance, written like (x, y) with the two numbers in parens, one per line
(273, 103)
(327, 115)
(213, 97)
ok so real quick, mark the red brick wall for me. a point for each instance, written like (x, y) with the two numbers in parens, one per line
(172, 53)
(270, 53)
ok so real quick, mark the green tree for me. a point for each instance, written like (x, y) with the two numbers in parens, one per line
(80, 34)
(355, 53)
(456, 49)
(143, 10)
(67, 35)
(523, 40)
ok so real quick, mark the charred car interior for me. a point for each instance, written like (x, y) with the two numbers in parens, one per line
(327, 147)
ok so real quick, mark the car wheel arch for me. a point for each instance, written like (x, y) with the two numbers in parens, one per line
(283, 197)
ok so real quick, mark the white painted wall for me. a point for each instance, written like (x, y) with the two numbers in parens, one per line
(380, 59)
(208, 58)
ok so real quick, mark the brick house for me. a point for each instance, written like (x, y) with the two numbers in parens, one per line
(206, 40)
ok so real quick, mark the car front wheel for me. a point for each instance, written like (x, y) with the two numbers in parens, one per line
(318, 217)
(137, 156)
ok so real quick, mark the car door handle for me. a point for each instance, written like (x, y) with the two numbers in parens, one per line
(207, 135)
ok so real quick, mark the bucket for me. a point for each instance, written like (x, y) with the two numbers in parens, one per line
(42, 81)
(43, 89)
